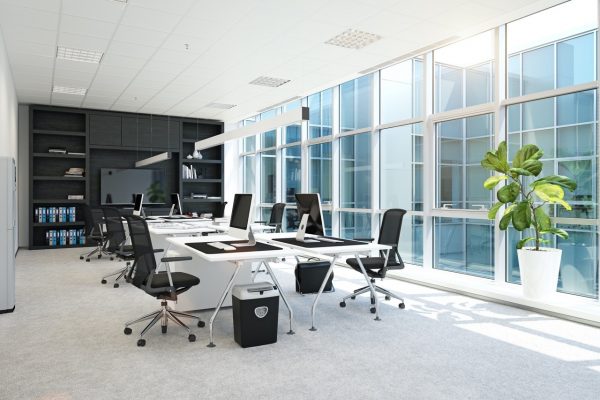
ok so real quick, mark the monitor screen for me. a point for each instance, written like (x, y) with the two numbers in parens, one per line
(117, 186)
(177, 203)
(137, 203)
(240, 213)
(309, 203)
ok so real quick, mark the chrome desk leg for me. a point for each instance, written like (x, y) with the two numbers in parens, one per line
(223, 296)
(371, 287)
(327, 275)
(272, 274)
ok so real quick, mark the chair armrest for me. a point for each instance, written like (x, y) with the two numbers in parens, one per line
(260, 222)
(159, 250)
(370, 240)
(175, 259)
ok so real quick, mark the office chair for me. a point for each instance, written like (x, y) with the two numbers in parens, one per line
(165, 285)
(377, 267)
(93, 232)
(116, 243)
(276, 218)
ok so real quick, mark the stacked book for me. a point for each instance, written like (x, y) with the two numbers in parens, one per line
(189, 172)
(74, 173)
(57, 150)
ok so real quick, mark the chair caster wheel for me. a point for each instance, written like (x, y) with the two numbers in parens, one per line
(112, 259)
(127, 331)
(201, 324)
(387, 297)
(103, 281)
(99, 256)
(87, 260)
(163, 329)
(401, 305)
(141, 342)
(81, 257)
(343, 304)
(353, 297)
(192, 337)
(373, 310)
(116, 285)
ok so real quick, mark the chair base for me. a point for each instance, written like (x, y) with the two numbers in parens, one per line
(164, 314)
(388, 295)
(120, 273)
(99, 250)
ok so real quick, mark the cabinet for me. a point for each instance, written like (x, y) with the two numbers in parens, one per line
(105, 130)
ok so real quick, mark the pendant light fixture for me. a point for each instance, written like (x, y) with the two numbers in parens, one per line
(159, 157)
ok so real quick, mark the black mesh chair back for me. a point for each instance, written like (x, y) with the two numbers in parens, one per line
(391, 225)
(277, 215)
(145, 261)
(114, 228)
(88, 216)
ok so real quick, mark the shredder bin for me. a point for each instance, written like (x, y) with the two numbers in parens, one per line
(255, 314)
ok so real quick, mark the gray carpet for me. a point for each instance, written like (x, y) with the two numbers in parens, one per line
(65, 341)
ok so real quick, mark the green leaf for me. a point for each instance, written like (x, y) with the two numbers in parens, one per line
(505, 221)
(509, 209)
(560, 180)
(519, 171)
(494, 210)
(558, 232)
(533, 166)
(542, 219)
(491, 161)
(508, 193)
(492, 181)
(522, 242)
(502, 152)
(527, 152)
(521, 216)
(552, 194)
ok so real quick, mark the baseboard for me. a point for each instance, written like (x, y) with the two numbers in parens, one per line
(9, 310)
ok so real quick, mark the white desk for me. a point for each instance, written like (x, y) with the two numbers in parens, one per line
(238, 259)
(332, 253)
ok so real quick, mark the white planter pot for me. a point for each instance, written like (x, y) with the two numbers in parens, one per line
(539, 271)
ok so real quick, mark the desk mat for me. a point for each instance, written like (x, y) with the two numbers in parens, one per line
(206, 249)
(293, 241)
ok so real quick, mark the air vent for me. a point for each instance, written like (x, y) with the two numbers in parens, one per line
(69, 90)
(220, 106)
(353, 39)
(88, 56)
(268, 81)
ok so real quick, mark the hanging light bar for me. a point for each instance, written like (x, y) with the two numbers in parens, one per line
(285, 119)
(153, 160)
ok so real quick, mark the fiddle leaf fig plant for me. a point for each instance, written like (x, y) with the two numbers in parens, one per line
(524, 205)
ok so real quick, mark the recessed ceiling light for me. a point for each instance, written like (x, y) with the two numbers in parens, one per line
(268, 81)
(88, 56)
(220, 106)
(353, 39)
(69, 90)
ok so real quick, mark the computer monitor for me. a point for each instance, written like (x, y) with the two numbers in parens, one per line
(137, 203)
(240, 215)
(176, 201)
(310, 203)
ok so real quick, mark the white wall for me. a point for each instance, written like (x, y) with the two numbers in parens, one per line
(8, 110)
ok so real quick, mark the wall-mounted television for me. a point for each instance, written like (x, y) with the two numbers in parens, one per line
(119, 186)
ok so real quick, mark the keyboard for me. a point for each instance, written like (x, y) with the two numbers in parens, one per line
(222, 246)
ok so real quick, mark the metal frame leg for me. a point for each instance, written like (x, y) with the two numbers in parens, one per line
(151, 324)
(371, 286)
(323, 284)
(270, 271)
(177, 321)
(181, 314)
(144, 318)
(238, 265)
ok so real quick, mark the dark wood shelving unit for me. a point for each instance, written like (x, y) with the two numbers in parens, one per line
(46, 247)
(57, 155)
(202, 200)
(58, 132)
(58, 178)
(58, 224)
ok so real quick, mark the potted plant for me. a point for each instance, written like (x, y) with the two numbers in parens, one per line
(524, 209)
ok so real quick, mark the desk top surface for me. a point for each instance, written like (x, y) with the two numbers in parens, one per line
(325, 248)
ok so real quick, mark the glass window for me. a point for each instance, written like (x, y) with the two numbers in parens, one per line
(401, 167)
(355, 171)
(540, 58)
(464, 73)
(579, 261)
(320, 108)
(268, 139)
(249, 165)
(401, 91)
(356, 103)
(410, 245)
(461, 144)
(267, 176)
(464, 245)
(319, 171)
(355, 225)
(292, 133)
(327, 222)
(250, 141)
(292, 162)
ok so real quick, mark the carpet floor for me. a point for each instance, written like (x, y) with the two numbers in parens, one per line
(65, 341)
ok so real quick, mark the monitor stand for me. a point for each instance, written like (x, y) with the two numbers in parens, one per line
(250, 243)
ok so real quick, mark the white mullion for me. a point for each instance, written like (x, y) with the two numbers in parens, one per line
(335, 160)
(550, 93)
(464, 112)
(428, 161)
(375, 151)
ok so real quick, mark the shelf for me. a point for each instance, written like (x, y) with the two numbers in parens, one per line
(202, 200)
(43, 247)
(57, 201)
(58, 178)
(57, 224)
(201, 180)
(57, 155)
(61, 133)
(194, 161)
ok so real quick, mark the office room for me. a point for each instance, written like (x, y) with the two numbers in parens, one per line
(261, 199)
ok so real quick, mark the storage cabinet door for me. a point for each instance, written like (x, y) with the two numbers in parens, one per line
(174, 134)
(160, 132)
(136, 132)
(105, 130)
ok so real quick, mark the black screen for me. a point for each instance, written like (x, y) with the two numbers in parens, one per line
(117, 186)
(138, 199)
(175, 200)
(240, 214)
(308, 203)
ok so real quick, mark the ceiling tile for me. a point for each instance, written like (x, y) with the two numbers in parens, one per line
(13, 33)
(44, 5)
(130, 49)
(109, 11)
(144, 17)
(28, 17)
(179, 7)
(82, 42)
(87, 26)
(145, 37)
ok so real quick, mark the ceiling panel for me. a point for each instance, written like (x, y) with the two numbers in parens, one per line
(141, 17)
(109, 11)
(87, 26)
